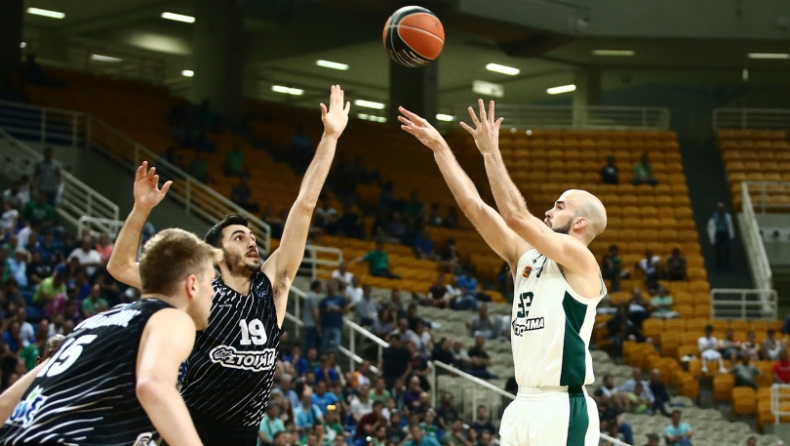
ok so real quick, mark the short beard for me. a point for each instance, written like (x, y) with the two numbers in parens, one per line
(563, 229)
(236, 265)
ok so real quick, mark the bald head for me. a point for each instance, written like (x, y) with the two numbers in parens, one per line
(588, 206)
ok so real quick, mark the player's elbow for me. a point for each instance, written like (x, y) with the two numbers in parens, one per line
(149, 389)
(514, 220)
(303, 206)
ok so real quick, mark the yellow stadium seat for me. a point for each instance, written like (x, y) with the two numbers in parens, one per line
(723, 385)
(744, 401)
(653, 327)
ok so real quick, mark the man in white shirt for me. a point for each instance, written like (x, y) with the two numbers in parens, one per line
(9, 217)
(367, 309)
(342, 274)
(630, 385)
(651, 267)
(707, 349)
(26, 331)
(354, 291)
(361, 405)
(88, 257)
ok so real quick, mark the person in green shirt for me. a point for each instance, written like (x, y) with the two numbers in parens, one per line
(94, 303)
(380, 392)
(643, 172)
(198, 168)
(234, 162)
(662, 304)
(270, 425)
(378, 262)
(332, 426)
(428, 425)
(39, 210)
(638, 401)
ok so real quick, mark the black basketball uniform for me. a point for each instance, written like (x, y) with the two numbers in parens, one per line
(227, 379)
(85, 395)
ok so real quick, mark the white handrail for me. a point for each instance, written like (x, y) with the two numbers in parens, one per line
(740, 307)
(77, 199)
(777, 398)
(760, 193)
(111, 227)
(576, 117)
(751, 118)
(755, 248)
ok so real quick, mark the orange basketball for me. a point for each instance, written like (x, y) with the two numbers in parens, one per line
(413, 36)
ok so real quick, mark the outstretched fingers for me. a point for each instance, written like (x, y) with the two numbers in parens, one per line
(472, 113)
(323, 111)
(466, 127)
(482, 107)
(412, 116)
(141, 171)
(166, 187)
(491, 111)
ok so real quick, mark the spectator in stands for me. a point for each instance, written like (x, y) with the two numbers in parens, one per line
(88, 258)
(94, 303)
(752, 441)
(613, 268)
(234, 162)
(659, 391)
(638, 308)
(367, 309)
(326, 216)
(449, 259)
(451, 220)
(676, 266)
(631, 384)
(772, 347)
(425, 346)
(609, 174)
(198, 168)
(342, 275)
(405, 333)
(479, 361)
(371, 421)
(104, 248)
(395, 361)
(39, 212)
(721, 233)
(378, 262)
(469, 285)
(744, 372)
(271, 423)
(379, 391)
(423, 246)
(651, 269)
(17, 266)
(16, 196)
(677, 433)
(750, 347)
(781, 368)
(37, 270)
(311, 316)
(308, 413)
(729, 346)
(662, 302)
(438, 292)
(434, 216)
(322, 397)
(9, 217)
(609, 395)
(395, 229)
(653, 439)
(643, 172)
(414, 210)
(638, 402)
(47, 176)
(242, 196)
(385, 322)
(26, 331)
(621, 329)
(708, 350)
(332, 308)
(417, 437)
(481, 325)
(350, 224)
(482, 422)
(354, 292)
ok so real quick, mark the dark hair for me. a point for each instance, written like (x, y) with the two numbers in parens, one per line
(315, 285)
(676, 412)
(278, 434)
(709, 327)
(378, 402)
(214, 235)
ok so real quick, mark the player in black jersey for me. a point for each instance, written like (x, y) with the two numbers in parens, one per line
(227, 379)
(113, 380)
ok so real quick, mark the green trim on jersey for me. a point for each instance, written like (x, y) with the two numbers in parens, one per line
(579, 420)
(574, 352)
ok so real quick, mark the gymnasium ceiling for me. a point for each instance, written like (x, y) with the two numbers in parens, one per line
(286, 37)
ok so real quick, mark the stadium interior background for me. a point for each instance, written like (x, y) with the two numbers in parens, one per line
(674, 113)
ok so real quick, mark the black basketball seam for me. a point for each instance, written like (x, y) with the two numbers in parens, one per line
(421, 56)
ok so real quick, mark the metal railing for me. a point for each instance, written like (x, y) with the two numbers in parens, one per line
(97, 226)
(780, 401)
(355, 330)
(575, 117)
(751, 118)
(753, 242)
(731, 303)
(768, 195)
(76, 199)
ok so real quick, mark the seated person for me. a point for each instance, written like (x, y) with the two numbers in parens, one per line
(651, 269)
(609, 171)
(772, 347)
(707, 348)
(234, 162)
(676, 266)
(350, 224)
(638, 308)
(781, 369)
(744, 372)
(242, 196)
(749, 347)
(638, 401)
(378, 262)
(613, 268)
(677, 433)
(423, 246)
(729, 346)
(643, 172)
(662, 304)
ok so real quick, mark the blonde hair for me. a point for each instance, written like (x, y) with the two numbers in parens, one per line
(170, 257)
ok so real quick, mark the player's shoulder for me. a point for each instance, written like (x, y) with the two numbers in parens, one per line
(170, 319)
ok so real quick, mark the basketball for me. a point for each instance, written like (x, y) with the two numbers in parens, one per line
(413, 36)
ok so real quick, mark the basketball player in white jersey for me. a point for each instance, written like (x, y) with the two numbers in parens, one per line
(558, 285)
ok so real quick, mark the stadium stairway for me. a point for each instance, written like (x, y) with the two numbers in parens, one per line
(707, 187)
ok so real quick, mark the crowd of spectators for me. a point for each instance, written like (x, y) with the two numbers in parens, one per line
(643, 171)
(51, 280)
(652, 269)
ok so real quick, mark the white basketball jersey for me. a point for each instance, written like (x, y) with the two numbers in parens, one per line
(551, 326)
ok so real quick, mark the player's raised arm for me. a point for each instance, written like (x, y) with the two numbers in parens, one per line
(168, 338)
(284, 263)
(147, 194)
(568, 251)
(488, 222)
